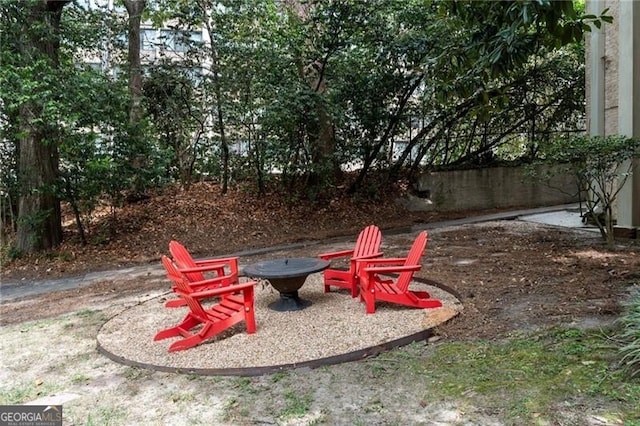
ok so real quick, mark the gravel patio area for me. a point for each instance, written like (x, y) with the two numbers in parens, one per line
(334, 329)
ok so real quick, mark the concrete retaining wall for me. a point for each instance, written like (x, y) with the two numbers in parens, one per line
(488, 188)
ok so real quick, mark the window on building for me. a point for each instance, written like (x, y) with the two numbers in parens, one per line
(185, 39)
(148, 39)
(179, 41)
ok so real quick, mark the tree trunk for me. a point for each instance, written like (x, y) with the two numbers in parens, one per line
(39, 218)
(323, 143)
(321, 134)
(136, 114)
(216, 71)
(224, 145)
(134, 9)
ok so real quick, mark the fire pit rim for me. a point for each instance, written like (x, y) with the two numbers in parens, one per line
(298, 265)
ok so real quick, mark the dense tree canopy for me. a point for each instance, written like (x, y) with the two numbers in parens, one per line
(286, 94)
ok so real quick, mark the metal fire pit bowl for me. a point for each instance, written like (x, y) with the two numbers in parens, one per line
(287, 276)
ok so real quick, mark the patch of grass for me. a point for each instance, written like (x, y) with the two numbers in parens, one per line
(26, 392)
(183, 397)
(629, 336)
(242, 404)
(296, 405)
(245, 385)
(65, 256)
(526, 378)
(276, 377)
(233, 410)
(39, 324)
(87, 313)
(106, 416)
(133, 373)
(16, 395)
(80, 378)
(198, 378)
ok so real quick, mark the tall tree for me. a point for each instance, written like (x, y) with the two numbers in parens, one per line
(319, 31)
(134, 9)
(39, 217)
(170, 99)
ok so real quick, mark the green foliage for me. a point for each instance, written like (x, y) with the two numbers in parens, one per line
(24, 392)
(287, 95)
(594, 152)
(629, 336)
(502, 33)
(601, 166)
(12, 253)
(522, 379)
(170, 99)
(297, 405)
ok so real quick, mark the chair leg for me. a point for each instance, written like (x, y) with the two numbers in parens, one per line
(430, 303)
(186, 343)
(369, 301)
(187, 324)
(249, 312)
(355, 289)
(370, 306)
(174, 303)
(425, 300)
(250, 320)
(207, 331)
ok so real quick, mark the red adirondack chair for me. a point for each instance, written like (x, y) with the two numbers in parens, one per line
(194, 269)
(236, 304)
(367, 246)
(394, 290)
(225, 269)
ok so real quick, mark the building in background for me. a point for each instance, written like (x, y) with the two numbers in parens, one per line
(613, 93)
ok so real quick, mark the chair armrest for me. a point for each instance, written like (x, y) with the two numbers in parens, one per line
(203, 262)
(210, 267)
(368, 256)
(335, 254)
(385, 269)
(365, 263)
(204, 294)
(217, 280)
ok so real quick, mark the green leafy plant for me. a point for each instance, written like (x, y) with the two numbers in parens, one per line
(601, 166)
(630, 337)
(297, 405)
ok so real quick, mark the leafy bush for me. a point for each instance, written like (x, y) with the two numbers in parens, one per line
(630, 336)
(601, 166)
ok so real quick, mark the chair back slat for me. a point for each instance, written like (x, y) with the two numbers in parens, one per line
(368, 241)
(412, 259)
(182, 287)
(183, 259)
(172, 271)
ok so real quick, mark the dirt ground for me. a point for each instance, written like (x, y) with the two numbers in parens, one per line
(509, 276)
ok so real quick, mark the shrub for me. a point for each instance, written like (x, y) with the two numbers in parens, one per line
(630, 336)
(601, 166)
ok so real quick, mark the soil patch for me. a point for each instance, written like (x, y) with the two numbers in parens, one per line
(510, 275)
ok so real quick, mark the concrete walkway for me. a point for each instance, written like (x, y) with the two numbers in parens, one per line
(561, 215)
